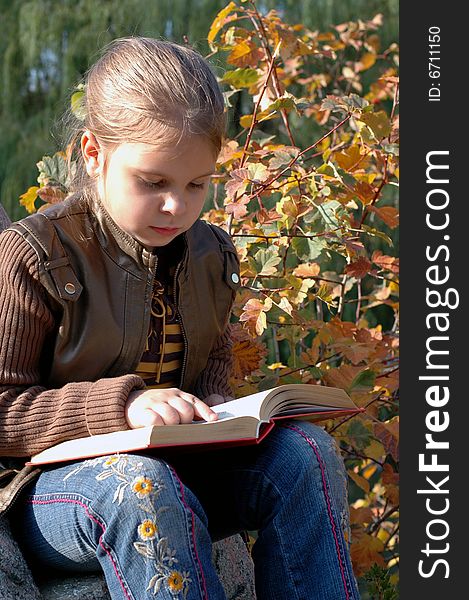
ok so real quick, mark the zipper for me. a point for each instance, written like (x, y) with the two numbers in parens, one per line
(150, 282)
(184, 336)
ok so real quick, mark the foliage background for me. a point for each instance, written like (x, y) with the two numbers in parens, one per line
(306, 183)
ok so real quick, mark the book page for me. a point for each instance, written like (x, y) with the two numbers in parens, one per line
(247, 406)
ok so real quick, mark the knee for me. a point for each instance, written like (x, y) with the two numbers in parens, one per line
(128, 476)
(310, 451)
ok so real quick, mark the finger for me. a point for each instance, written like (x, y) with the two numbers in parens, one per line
(184, 408)
(204, 411)
(146, 418)
(169, 414)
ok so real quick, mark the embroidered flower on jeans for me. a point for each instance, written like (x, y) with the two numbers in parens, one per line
(147, 530)
(111, 461)
(175, 581)
(142, 486)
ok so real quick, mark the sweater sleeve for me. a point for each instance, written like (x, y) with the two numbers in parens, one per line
(214, 379)
(33, 417)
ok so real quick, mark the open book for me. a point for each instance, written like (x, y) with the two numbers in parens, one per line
(242, 421)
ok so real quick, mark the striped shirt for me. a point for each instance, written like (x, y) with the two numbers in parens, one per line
(161, 362)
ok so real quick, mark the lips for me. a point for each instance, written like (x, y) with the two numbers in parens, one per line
(165, 230)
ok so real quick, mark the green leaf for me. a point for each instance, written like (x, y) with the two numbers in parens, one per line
(354, 102)
(266, 261)
(377, 233)
(308, 248)
(241, 78)
(378, 122)
(358, 435)
(78, 105)
(364, 380)
(53, 169)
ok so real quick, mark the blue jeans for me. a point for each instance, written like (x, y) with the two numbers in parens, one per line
(149, 521)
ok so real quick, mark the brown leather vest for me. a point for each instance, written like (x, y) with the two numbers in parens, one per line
(99, 282)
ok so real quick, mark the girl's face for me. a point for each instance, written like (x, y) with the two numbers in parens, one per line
(152, 193)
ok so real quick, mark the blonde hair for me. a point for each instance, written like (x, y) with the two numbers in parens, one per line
(146, 90)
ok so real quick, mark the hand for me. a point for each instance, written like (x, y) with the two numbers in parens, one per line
(165, 407)
(215, 399)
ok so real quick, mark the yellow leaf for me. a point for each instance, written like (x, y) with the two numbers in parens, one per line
(375, 450)
(245, 121)
(360, 481)
(277, 365)
(378, 123)
(220, 20)
(366, 61)
(28, 198)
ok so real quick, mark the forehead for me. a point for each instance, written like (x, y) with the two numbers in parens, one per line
(194, 154)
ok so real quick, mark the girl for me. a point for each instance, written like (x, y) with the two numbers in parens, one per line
(114, 314)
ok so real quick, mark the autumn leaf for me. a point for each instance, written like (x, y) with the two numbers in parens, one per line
(245, 54)
(254, 315)
(361, 515)
(378, 122)
(248, 353)
(388, 434)
(307, 270)
(28, 199)
(366, 551)
(351, 158)
(51, 194)
(341, 376)
(389, 263)
(241, 78)
(358, 268)
(366, 61)
(220, 20)
(365, 192)
(359, 434)
(390, 481)
(388, 214)
(362, 483)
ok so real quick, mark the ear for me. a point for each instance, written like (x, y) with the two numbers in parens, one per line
(92, 154)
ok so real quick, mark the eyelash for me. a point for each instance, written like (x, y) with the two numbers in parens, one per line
(156, 184)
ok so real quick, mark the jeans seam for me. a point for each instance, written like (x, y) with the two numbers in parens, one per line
(192, 528)
(96, 520)
(328, 504)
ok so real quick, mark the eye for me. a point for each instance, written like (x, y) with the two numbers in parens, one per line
(197, 186)
(151, 184)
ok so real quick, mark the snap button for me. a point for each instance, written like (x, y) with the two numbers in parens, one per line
(235, 277)
(70, 288)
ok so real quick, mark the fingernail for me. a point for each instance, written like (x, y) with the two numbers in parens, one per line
(213, 417)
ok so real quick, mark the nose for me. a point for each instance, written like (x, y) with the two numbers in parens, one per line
(173, 204)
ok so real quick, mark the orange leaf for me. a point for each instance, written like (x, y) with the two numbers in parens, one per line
(390, 481)
(221, 19)
(307, 270)
(359, 268)
(390, 263)
(342, 376)
(364, 191)
(365, 551)
(245, 54)
(388, 434)
(247, 353)
(364, 514)
(389, 214)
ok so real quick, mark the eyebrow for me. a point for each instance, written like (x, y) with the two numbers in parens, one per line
(154, 174)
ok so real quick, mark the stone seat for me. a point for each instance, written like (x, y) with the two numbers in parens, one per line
(230, 557)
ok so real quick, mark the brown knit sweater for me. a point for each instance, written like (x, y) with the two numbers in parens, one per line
(33, 417)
